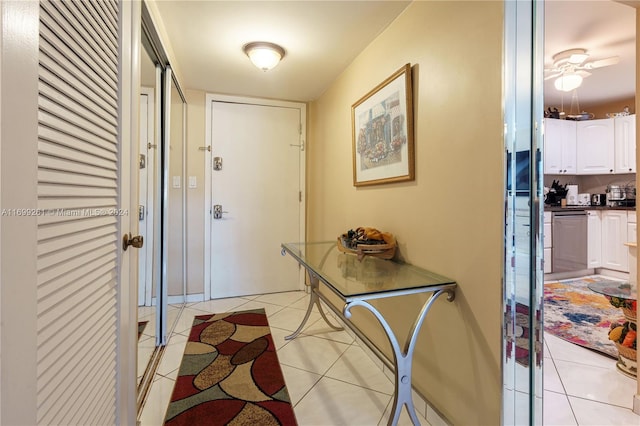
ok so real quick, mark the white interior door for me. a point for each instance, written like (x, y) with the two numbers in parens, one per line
(258, 189)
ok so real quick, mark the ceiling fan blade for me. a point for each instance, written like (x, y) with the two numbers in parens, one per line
(583, 73)
(549, 77)
(601, 63)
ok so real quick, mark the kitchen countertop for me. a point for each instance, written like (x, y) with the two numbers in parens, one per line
(562, 209)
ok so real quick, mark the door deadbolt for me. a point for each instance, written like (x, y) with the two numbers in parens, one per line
(217, 163)
(136, 241)
(217, 211)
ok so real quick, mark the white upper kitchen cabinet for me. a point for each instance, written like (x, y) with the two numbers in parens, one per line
(559, 146)
(625, 144)
(595, 147)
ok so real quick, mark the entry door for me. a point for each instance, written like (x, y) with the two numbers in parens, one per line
(258, 190)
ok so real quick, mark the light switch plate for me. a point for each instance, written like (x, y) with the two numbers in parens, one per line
(193, 182)
(176, 181)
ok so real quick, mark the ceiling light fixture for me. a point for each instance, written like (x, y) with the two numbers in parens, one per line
(568, 82)
(264, 55)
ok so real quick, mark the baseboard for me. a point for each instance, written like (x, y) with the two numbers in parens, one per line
(613, 274)
(420, 403)
(570, 274)
(174, 300)
(585, 272)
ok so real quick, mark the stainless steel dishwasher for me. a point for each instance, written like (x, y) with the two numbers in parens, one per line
(569, 240)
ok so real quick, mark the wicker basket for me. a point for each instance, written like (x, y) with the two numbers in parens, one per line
(383, 251)
(629, 313)
(626, 352)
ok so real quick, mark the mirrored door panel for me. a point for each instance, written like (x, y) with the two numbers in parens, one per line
(174, 166)
(149, 124)
(161, 216)
(523, 267)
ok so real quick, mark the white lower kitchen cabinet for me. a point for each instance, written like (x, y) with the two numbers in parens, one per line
(615, 254)
(632, 237)
(547, 242)
(594, 239)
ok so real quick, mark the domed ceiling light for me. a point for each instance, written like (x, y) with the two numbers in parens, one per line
(264, 55)
(568, 82)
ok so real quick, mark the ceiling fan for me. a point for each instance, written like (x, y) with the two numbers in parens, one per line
(570, 67)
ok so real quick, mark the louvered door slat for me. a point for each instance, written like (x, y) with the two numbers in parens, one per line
(78, 107)
(60, 257)
(61, 343)
(57, 275)
(69, 283)
(49, 190)
(65, 141)
(68, 166)
(53, 246)
(49, 205)
(78, 181)
(75, 66)
(92, 33)
(73, 179)
(54, 71)
(74, 224)
(56, 109)
(106, 11)
(107, 33)
(67, 290)
(79, 47)
(59, 396)
(72, 129)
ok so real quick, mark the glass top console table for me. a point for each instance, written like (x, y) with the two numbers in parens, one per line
(623, 295)
(357, 282)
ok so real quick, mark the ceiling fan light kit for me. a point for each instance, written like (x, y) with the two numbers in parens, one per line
(569, 68)
(264, 55)
(568, 82)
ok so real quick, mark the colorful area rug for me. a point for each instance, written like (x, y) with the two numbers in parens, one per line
(579, 315)
(230, 374)
(519, 336)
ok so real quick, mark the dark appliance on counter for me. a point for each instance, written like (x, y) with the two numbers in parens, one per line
(569, 241)
(598, 199)
(556, 193)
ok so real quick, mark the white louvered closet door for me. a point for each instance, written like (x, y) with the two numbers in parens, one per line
(78, 242)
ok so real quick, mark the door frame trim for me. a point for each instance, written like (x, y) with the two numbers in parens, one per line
(209, 99)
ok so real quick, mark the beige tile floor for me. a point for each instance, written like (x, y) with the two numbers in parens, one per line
(333, 381)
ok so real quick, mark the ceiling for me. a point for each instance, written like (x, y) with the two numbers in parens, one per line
(322, 38)
(604, 28)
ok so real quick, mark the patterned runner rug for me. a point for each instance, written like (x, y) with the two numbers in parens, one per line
(579, 315)
(141, 327)
(230, 374)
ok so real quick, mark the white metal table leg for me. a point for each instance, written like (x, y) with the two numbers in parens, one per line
(314, 299)
(402, 357)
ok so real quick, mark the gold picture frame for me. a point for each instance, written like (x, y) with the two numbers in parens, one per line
(382, 132)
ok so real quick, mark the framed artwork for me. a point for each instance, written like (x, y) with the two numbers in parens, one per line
(382, 125)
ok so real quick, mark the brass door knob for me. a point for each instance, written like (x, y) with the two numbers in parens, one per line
(136, 241)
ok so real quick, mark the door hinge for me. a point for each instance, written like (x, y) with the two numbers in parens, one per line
(300, 196)
(300, 128)
(300, 145)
